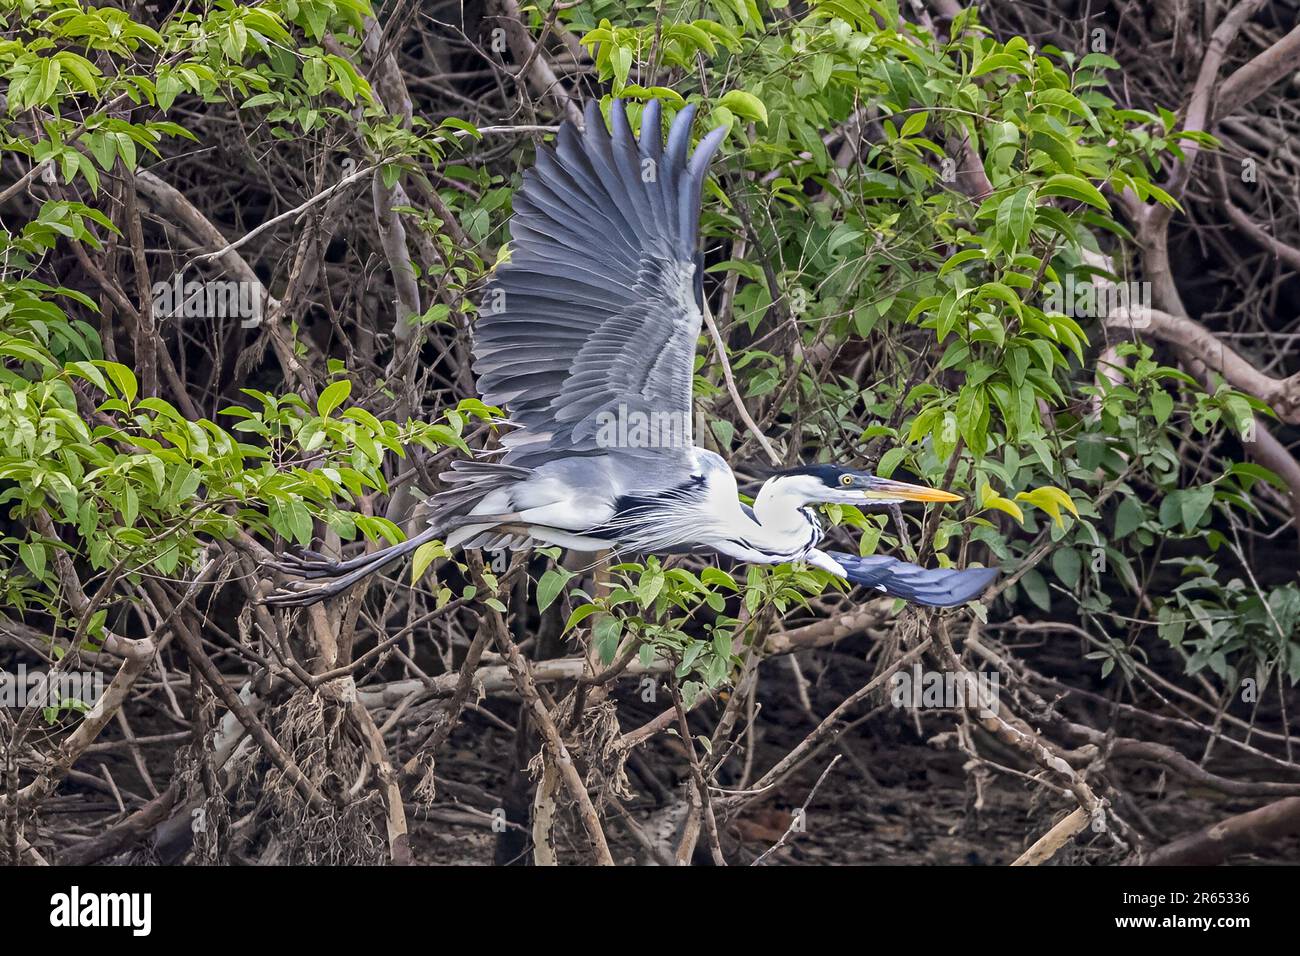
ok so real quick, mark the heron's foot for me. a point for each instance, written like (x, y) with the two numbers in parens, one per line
(299, 593)
(309, 564)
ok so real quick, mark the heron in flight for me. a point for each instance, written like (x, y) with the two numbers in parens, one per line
(595, 318)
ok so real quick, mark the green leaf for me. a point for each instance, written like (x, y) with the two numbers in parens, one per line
(1193, 503)
(1015, 218)
(1051, 500)
(606, 634)
(745, 104)
(580, 614)
(998, 61)
(1036, 588)
(551, 586)
(719, 578)
(889, 461)
(914, 124)
(1063, 99)
(649, 586)
(1074, 187)
(332, 397)
(1162, 403)
(123, 378)
(33, 555)
(425, 555)
(1128, 517)
(1067, 564)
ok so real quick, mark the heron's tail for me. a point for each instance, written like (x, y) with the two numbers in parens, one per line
(476, 487)
(325, 578)
(932, 587)
(473, 487)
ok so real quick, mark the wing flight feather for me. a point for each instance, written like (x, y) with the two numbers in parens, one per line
(598, 309)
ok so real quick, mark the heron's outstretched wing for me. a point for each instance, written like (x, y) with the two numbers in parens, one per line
(599, 308)
(933, 587)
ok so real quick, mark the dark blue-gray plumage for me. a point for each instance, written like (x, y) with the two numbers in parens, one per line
(938, 587)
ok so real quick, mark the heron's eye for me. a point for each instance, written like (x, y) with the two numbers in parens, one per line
(846, 480)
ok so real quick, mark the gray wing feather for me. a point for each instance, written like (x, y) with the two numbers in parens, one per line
(600, 301)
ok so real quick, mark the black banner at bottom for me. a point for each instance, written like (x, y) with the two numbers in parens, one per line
(145, 905)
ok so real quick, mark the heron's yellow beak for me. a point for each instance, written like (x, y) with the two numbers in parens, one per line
(883, 488)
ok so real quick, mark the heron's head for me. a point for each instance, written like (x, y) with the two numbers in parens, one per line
(831, 484)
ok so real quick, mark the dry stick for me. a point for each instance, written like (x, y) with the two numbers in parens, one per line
(138, 655)
(177, 208)
(525, 50)
(167, 199)
(1013, 730)
(690, 832)
(399, 842)
(495, 678)
(824, 733)
(559, 753)
(1278, 61)
(1198, 105)
(1155, 681)
(697, 775)
(1153, 229)
(823, 632)
(1257, 234)
(801, 814)
(89, 728)
(1051, 841)
(464, 682)
(520, 130)
(554, 743)
(147, 339)
(194, 648)
(544, 816)
(31, 851)
(1281, 394)
(274, 221)
(655, 725)
(1267, 449)
(125, 833)
(716, 336)
(137, 755)
(1120, 747)
(1245, 831)
(639, 834)
(395, 98)
(538, 43)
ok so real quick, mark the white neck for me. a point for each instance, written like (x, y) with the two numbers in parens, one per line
(777, 505)
(779, 526)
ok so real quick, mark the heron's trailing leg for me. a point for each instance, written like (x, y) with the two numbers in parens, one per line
(312, 564)
(338, 576)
